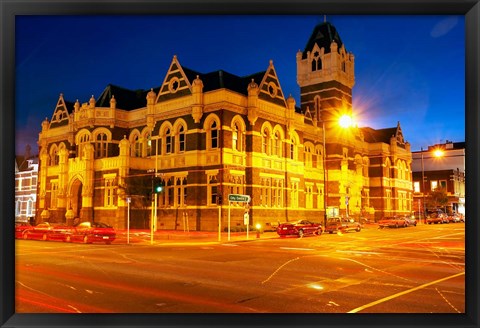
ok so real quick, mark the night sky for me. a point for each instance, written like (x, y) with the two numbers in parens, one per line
(407, 68)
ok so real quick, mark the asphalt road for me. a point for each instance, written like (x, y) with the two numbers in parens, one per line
(406, 270)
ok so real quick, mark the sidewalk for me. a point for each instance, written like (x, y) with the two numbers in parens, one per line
(178, 237)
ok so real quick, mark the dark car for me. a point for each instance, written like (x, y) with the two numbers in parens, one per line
(46, 231)
(342, 225)
(90, 232)
(299, 228)
(392, 222)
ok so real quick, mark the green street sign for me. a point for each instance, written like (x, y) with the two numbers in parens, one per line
(239, 198)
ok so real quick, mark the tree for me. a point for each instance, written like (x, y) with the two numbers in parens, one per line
(437, 198)
(139, 189)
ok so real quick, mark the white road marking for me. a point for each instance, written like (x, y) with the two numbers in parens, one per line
(76, 310)
(363, 307)
(297, 248)
(279, 268)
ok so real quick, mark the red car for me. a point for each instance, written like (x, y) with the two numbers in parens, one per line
(299, 228)
(393, 222)
(90, 232)
(20, 227)
(46, 231)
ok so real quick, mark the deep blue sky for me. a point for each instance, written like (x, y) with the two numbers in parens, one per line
(407, 68)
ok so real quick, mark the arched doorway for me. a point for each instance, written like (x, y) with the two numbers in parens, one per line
(76, 197)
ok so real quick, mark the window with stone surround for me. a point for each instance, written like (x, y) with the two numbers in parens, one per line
(109, 191)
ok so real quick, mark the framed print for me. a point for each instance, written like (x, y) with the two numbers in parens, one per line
(205, 163)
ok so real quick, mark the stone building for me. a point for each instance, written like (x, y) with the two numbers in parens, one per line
(209, 135)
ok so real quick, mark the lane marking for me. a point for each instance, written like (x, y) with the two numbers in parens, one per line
(363, 307)
(278, 269)
(298, 248)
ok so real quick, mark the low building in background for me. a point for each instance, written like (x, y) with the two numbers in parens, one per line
(26, 178)
(442, 167)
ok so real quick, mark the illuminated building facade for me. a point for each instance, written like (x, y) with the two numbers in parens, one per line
(214, 134)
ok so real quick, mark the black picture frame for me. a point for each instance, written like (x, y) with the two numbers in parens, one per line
(11, 8)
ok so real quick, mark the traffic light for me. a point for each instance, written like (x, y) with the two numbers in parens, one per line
(219, 199)
(157, 185)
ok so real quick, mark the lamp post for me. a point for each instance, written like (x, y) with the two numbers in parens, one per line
(325, 176)
(423, 186)
(345, 121)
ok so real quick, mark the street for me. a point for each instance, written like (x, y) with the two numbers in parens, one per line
(406, 270)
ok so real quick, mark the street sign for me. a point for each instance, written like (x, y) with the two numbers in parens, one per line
(239, 198)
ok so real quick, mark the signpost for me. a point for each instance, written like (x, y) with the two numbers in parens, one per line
(239, 199)
(129, 200)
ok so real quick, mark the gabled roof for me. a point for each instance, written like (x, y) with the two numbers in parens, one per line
(61, 114)
(21, 162)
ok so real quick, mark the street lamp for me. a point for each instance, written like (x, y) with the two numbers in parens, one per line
(345, 121)
(423, 187)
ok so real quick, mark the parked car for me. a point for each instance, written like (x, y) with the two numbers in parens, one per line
(454, 218)
(437, 218)
(299, 228)
(392, 222)
(411, 220)
(20, 227)
(90, 232)
(46, 231)
(342, 225)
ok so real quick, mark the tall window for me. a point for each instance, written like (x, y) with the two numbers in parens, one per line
(308, 156)
(54, 156)
(54, 194)
(294, 194)
(309, 196)
(101, 146)
(316, 62)
(148, 138)
(278, 144)
(266, 139)
(109, 192)
(168, 141)
(17, 208)
(137, 147)
(214, 135)
(29, 208)
(213, 189)
(83, 140)
(181, 139)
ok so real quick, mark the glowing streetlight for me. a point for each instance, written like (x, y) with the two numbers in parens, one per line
(345, 121)
(438, 153)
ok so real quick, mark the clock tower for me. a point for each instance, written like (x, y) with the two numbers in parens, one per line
(325, 74)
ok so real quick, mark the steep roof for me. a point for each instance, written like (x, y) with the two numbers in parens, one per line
(381, 135)
(221, 79)
(126, 99)
(323, 35)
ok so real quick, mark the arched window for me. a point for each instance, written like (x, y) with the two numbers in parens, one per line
(308, 155)
(168, 141)
(277, 144)
(148, 139)
(137, 146)
(316, 62)
(29, 207)
(235, 137)
(181, 139)
(266, 140)
(101, 145)
(54, 158)
(213, 135)
(82, 141)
